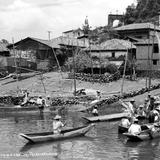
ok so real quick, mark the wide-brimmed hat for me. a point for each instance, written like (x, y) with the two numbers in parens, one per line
(146, 99)
(57, 117)
(141, 106)
(135, 120)
(157, 102)
(158, 108)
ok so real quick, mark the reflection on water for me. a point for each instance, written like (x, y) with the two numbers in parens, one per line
(101, 143)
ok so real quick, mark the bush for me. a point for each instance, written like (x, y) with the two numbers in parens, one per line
(111, 68)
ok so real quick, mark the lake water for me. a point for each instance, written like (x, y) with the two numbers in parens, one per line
(101, 143)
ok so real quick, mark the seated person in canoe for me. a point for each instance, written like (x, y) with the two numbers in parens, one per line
(57, 125)
(135, 128)
(141, 111)
(125, 122)
(154, 115)
(95, 111)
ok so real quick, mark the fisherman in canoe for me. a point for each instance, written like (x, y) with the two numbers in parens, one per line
(57, 125)
(135, 128)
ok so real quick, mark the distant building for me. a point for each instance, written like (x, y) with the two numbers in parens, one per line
(113, 51)
(73, 33)
(141, 34)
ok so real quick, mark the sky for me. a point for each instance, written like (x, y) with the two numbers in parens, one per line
(34, 18)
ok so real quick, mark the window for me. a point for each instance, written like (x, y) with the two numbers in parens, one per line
(113, 54)
(155, 49)
(155, 62)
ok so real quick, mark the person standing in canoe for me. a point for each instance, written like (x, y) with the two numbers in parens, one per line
(26, 98)
(95, 111)
(135, 128)
(129, 107)
(57, 125)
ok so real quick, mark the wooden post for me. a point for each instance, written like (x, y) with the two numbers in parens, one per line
(124, 71)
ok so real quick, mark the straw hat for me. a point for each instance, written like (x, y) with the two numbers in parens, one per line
(135, 120)
(141, 106)
(157, 102)
(57, 117)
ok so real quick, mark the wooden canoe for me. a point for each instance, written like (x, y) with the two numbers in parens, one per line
(108, 117)
(122, 129)
(145, 135)
(49, 136)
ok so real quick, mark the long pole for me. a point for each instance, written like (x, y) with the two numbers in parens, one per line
(74, 74)
(148, 71)
(125, 64)
(15, 63)
(151, 68)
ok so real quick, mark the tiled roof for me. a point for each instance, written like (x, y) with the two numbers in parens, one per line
(114, 44)
(146, 41)
(3, 47)
(69, 41)
(135, 26)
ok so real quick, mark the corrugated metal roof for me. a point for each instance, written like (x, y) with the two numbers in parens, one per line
(3, 47)
(136, 26)
(113, 44)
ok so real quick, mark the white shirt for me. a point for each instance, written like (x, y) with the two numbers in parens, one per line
(131, 108)
(57, 125)
(134, 129)
(156, 117)
(94, 110)
(39, 101)
(125, 122)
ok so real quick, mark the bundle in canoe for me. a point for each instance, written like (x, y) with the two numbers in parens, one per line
(108, 117)
(49, 136)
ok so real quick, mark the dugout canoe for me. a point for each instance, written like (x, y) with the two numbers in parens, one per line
(122, 129)
(144, 135)
(108, 117)
(49, 136)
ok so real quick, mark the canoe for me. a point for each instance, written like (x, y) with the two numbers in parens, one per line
(144, 135)
(108, 117)
(122, 129)
(49, 136)
(141, 117)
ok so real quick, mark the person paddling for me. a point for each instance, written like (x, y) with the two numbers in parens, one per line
(57, 125)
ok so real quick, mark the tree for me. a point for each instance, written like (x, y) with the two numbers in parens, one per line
(143, 12)
(82, 60)
(4, 41)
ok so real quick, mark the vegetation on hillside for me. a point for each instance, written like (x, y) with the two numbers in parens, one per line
(144, 11)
